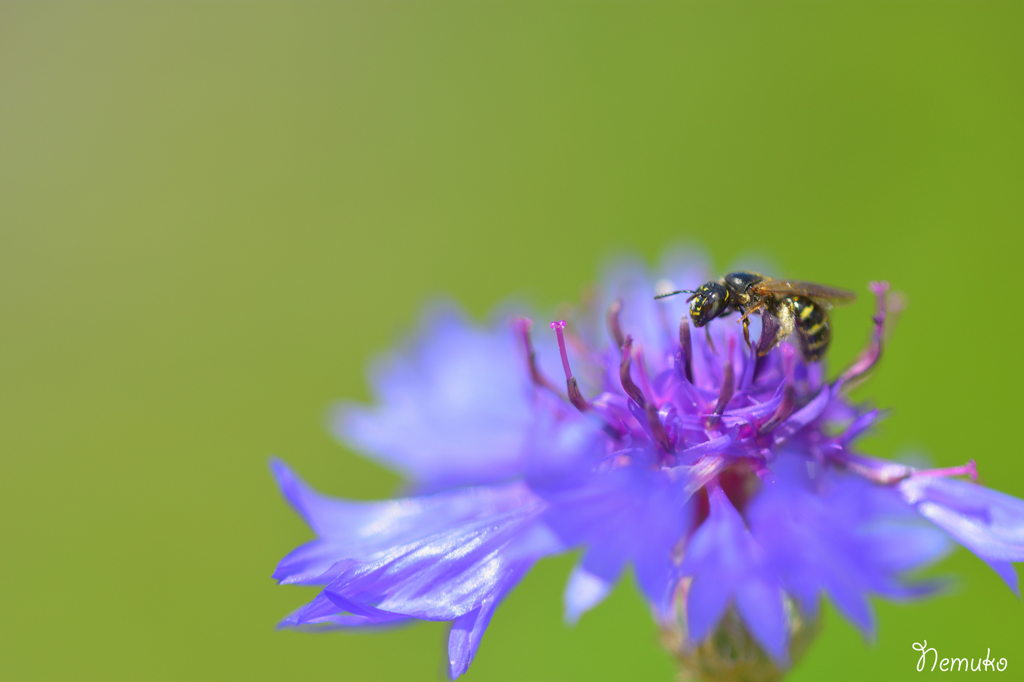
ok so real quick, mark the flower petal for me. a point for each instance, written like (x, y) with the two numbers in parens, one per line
(359, 530)
(447, 574)
(1006, 571)
(760, 604)
(453, 410)
(842, 535)
(706, 602)
(464, 638)
(583, 592)
(631, 514)
(987, 522)
(447, 556)
(727, 562)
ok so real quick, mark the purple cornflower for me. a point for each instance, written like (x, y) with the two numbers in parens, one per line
(729, 482)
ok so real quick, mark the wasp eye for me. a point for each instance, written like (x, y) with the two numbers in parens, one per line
(710, 302)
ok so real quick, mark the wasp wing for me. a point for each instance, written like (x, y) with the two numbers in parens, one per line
(792, 287)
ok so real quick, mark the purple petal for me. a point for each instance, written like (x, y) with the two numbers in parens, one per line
(359, 530)
(641, 316)
(448, 574)
(899, 546)
(987, 522)
(802, 417)
(454, 409)
(706, 602)
(464, 638)
(583, 592)
(448, 556)
(848, 537)
(726, 561)
(850, 597)
(322, 614)
(760, 604)
(629, 514)
(695, 452)
(1006, 571)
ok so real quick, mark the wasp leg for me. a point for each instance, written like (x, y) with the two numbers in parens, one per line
(746, 313)
(745, 320)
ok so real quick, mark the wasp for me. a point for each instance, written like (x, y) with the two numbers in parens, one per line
(785, 306)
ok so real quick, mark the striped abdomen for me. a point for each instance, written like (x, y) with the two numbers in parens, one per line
(812, 327)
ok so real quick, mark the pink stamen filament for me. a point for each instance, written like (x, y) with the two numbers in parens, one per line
(614, 325)
(559, 327)
(641, 368)
(969, 469)
(685, 349)
(625, 379)
(727, 389)
(575, 396)
(524, 325)
(789, 393)
(870, 356)
(880, 472)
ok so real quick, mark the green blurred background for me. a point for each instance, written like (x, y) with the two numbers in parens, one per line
(213, 215)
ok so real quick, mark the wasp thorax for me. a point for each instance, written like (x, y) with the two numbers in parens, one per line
(710, 301)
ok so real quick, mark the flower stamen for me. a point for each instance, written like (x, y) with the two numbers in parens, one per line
(788, 394)
(614, 324)
(523, 325)
(631, 389)
(878, 471)
(727, 389)
(685, 349)
(658, 429)
(869, 357)
(641, 368)
(969, 469)
(575, 397)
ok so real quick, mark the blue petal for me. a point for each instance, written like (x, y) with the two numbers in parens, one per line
(359, 530)
(760, 604)
(804, 416)
(727, 562)
(447, 574)
(447, 556)
(453, 410)
(641, 316)
(583, 592)
(850, 597)
(706, 602)
(464, 638)
(848, 538)
(898, 546)
(631, 514)
(323, 614)
(1006, 571)
(987, 522)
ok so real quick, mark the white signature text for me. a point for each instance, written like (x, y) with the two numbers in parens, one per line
(957, 664)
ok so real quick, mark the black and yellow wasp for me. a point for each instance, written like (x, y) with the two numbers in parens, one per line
(785, 306)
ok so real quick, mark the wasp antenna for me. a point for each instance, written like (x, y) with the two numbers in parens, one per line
(673, 293)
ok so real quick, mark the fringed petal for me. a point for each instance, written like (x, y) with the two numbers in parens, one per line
(459, 392)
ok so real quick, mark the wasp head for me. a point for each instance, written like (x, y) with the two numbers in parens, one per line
(710, 301)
